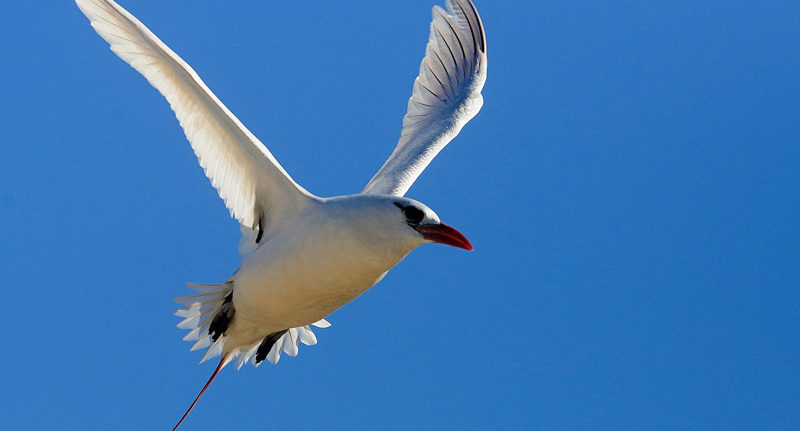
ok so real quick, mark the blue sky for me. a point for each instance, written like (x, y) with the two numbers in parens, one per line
(630, 187)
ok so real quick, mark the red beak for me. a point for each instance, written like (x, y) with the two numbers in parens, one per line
(444, 234)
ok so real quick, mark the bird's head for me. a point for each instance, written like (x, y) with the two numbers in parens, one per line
(426, 224)
(391, 222)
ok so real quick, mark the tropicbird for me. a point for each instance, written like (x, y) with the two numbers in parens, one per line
(305, 256)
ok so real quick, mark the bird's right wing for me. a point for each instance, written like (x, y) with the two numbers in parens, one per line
(446, 95)
(255, 188)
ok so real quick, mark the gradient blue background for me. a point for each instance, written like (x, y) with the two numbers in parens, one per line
(630, 186)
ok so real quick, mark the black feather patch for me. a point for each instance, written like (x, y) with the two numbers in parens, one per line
(266, 345)
(260, 226)
(223, 318)
(260, 234)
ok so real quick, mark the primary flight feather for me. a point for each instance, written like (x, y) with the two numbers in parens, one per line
(305, 256)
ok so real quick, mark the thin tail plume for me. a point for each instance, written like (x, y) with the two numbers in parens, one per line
(222, 362)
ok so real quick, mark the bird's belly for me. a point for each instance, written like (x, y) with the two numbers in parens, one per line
(277, 291)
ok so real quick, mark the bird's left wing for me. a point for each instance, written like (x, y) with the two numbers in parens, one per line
(446, 95)
(254, 186)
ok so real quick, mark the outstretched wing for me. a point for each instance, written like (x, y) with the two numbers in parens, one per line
(446, 95)
(255, 188)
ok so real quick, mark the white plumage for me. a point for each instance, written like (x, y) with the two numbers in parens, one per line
(446, 95)
(240, 167)
(305, 256)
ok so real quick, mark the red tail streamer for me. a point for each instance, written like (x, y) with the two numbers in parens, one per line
(222, 363)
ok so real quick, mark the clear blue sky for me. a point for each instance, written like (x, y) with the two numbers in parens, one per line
(631, 189)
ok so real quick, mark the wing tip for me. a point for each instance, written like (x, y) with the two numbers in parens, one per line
(481, 34)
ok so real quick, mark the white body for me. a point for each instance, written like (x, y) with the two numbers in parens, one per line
(320, 261)
(304, 256)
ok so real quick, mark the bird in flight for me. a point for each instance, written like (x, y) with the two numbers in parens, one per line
(305, 256)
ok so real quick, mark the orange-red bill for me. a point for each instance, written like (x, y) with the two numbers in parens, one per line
(444, 234)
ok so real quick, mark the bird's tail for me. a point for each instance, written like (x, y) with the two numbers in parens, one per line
(199, 312)
(222, 363)
(206, 315)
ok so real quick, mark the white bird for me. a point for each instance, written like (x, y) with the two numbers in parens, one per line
(305, 256)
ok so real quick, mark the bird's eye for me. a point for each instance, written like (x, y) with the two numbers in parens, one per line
(413, 214)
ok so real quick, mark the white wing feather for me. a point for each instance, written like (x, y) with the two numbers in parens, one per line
(446, 95)
(255, 188)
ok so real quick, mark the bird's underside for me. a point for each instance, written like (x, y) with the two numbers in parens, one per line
(304, 256)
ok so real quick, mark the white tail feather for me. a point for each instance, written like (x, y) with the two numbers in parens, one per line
(199, 310)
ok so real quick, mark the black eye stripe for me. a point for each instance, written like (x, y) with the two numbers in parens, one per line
(413, 214)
